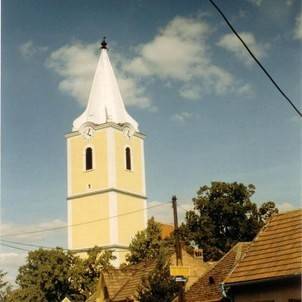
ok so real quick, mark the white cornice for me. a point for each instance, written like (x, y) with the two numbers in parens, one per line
(106, 125)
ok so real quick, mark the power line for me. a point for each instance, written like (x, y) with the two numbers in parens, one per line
(82, 223)
(5, 242)
(30, 244)
(256, 60)
(14, 247)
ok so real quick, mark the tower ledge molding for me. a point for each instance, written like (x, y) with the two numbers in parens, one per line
(119, 127)
(106, 191)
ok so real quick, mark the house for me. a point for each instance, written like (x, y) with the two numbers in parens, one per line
(271, 268)
(208, 287)
(121, 285)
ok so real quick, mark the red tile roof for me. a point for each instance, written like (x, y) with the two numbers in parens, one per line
(276, 251)
(207, 288)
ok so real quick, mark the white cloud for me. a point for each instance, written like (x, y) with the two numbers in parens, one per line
(256, 2)
(231, 43)
(10, 262)
(182, 116)
(23, 232)
(28, 49)
(285, 207)
(11, 259)
(298, 28)
(180, 53)
(179, 56)
(246, 90)
(75, 63)
(164, 214)
(289, 2)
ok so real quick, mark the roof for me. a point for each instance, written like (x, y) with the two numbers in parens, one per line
(276, 252)
(105, 103)
(207, 288)
(166, 230)
(123, 283)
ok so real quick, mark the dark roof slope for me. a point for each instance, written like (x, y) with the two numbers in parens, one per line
(276, 251)
(207, 288)
(122, 284)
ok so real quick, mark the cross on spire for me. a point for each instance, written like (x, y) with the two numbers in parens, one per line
(104, 44)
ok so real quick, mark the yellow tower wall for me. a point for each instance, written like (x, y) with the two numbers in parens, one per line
(91, 213)
(107, 190)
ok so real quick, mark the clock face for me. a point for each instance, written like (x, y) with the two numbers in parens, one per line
(128, 130)
(87, 131)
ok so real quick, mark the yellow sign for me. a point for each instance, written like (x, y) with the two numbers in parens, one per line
(179, 270)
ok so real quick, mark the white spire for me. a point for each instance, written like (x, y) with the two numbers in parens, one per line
(105, 103)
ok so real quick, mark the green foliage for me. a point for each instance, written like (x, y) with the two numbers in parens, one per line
(52, 275)
(5, 287)
(146, 244)
(223, 215)
(159, 285)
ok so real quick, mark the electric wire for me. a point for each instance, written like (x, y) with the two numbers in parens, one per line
(14, 247)
(30, 244)
(79, 224)
(256, 60)
(9, 242)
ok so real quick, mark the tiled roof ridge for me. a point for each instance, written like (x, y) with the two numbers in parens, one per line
(242, 257)
(222, 259)
(218, 271)
(234, 248)
(251, 244)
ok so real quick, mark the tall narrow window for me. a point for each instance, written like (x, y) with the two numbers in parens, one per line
(128, 158)
(88, 157)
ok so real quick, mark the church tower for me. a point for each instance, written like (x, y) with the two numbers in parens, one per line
(105, 169)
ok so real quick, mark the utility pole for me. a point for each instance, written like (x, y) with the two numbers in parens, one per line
(181, 290)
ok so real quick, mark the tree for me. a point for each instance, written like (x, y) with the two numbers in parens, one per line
(159, 285)
(146, 244)
(223, 215)
(5, 287)
(51, 275)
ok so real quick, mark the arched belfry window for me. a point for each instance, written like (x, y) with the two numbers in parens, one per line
(128, 158)
(88, 159)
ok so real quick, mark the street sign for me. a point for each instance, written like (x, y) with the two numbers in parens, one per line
(176, 270)
(180, 279)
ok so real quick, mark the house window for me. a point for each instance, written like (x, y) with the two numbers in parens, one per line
(128, 158)
(88, 159)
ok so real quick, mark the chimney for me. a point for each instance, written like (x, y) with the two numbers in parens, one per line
(198, 254)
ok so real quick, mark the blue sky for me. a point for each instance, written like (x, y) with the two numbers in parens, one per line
(207, 110)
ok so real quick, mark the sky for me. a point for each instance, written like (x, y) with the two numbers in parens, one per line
(208, 111)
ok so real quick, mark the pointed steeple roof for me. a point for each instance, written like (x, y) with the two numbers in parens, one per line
(105, 103)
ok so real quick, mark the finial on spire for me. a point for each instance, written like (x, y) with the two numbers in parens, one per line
(104, 44)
